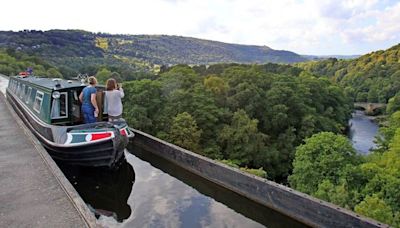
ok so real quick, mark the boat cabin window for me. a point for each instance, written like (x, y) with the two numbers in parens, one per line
(28, 95)
(76, 107)
(38, 101)
(59, 107)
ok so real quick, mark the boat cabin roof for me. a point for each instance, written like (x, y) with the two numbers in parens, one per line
(51, 83)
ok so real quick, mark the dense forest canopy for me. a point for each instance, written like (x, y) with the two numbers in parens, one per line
(374, 77)
(12, 62)
(252, 115)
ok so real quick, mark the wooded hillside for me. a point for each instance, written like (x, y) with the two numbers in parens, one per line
(373, 77)
(73, 51)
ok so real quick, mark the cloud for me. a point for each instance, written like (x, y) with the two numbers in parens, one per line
(384, 27)
(303, 26)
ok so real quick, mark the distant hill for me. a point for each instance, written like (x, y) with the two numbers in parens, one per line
(322, 57)
(77, 49)
(162, 49)
(374, 77)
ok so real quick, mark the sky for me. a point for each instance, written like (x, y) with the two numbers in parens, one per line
(316, 27)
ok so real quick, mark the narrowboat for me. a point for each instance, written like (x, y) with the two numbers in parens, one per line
(52, 110)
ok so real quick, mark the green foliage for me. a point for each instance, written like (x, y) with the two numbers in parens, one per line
(11, 63)
(254, 114)
(393, 104)
(234, 163)
(373, 77)
(370, 186)
(216, 85)
(321, 158)
(258, 172)
(387, 133)
(142, 102)
(103, 75)
(54, 73)
(241, 140)
(374, 207)
(75, 51)
(337, 194)
(184, 132)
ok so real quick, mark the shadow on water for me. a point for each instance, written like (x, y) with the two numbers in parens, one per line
(250, 209)
(105, 191)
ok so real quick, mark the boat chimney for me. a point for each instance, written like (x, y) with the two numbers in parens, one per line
(57, 83)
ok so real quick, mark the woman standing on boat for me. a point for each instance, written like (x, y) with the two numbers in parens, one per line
(88, 100)
(114, 94)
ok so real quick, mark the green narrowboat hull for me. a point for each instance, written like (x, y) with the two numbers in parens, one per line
(97, 145)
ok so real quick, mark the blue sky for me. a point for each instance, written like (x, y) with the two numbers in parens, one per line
(320, 27)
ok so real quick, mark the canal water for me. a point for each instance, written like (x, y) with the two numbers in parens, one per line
(362, 132)
(148, 191)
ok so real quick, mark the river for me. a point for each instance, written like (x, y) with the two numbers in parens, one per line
(362, 132)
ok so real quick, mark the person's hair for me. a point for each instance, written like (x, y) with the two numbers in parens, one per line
(111, 84)
(92, 80)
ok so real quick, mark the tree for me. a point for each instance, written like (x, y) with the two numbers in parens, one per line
(142, 103)
(241, 139)
(337, 194)
(387, 132)
(218, 88)
(116, 76)
(102, 75)
(54, 73)
(321, 157)
(376, 208)
(178, 77)
(200, 104)
(393, 104)
(184, 132)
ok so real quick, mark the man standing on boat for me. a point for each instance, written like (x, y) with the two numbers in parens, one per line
(88, 100)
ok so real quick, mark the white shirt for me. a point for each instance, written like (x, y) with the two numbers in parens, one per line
(113, 102)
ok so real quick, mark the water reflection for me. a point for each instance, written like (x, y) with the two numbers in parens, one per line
(183, 199)
(105, 191)
(362, 132)
(161, 200)
(164, 195)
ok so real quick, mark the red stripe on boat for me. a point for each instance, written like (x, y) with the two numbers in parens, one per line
(97, 136)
